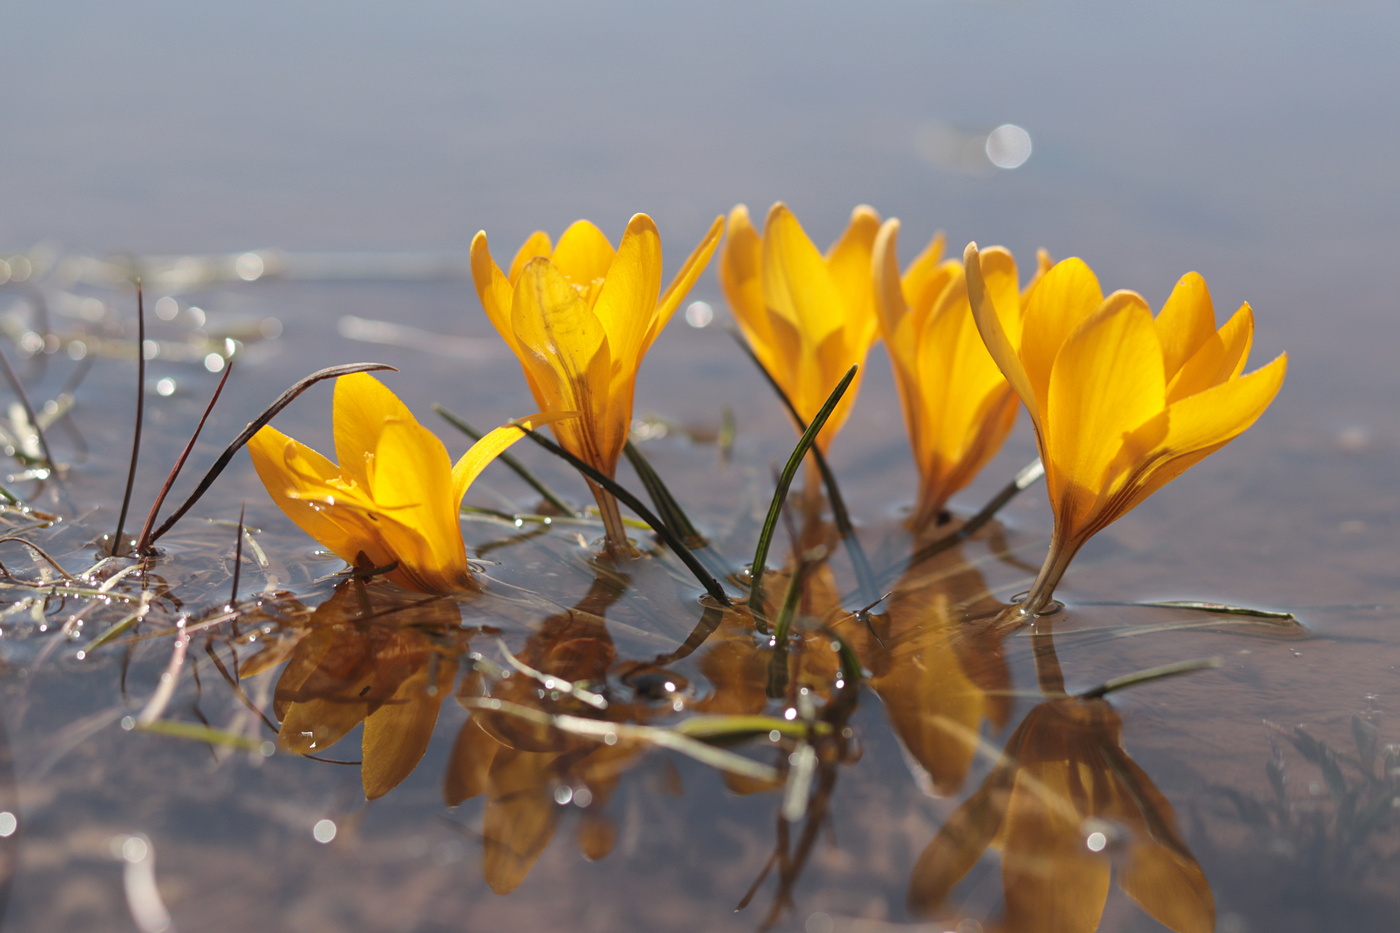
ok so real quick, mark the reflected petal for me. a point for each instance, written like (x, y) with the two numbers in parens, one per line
(397, 733)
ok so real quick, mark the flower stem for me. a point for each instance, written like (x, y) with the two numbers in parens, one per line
(617, 543)
(1042, 592)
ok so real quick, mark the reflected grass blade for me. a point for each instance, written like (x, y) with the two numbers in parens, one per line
(201, 733)
(611, 732)
(1151, 674)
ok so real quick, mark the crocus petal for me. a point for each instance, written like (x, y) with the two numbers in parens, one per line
(741, 274)
(491, 445)
(796, 283)
(536, 244)
(571, 357)
(891, 308)
(992, 325)
(695, 264)
(413, 489)
(295, 476)
(363, 405)
(628, 296)
(921, 278)
(1219, 358)
(492, 287)
(1202, 424)
(556, 326)
(1058, 303)
(1186, 322)
(1107, 382)
(583, 254)
(848, 261)
(969, 405)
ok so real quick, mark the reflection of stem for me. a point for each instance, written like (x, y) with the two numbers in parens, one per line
(1047, 664)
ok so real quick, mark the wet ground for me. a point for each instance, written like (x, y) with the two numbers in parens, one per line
(1253, 142)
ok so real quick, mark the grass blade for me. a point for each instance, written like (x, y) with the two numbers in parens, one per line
(865, 577)
(775, 508)
(1024, 479)
(550, 496)
(117, 548)
(18, 388)
(677, 546)
(671, 512)
(144, 541)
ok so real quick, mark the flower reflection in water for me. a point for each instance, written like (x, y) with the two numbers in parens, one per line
(938, 665)
(374, 654)
(1068, 809)
(1065, 806)
(525, 769)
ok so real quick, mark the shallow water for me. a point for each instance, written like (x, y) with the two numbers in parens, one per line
(1251, 141)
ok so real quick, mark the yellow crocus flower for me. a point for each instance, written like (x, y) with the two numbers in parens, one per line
(1123, 403)
(958, 407)
(393, 499)
(580, 316)
(808, 317)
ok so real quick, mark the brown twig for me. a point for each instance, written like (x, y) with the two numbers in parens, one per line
(117, 548)
(144, 541)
